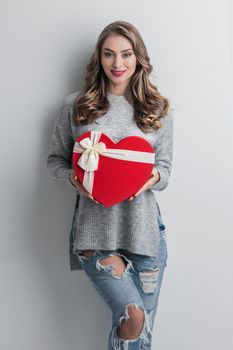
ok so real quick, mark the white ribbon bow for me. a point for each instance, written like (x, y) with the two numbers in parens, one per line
(89, 159)
(91, 149)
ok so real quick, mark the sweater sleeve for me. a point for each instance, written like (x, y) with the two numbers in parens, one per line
(164, 153)
(59, 156)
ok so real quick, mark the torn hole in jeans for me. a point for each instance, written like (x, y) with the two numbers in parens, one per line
(90, 254)
(149, 280)
(112, 267)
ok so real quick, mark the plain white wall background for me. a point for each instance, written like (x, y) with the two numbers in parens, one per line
(45, 47)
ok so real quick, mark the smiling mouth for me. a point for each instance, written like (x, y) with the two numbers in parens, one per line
(118, 73)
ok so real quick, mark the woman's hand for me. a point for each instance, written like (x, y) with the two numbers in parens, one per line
(75, 181)
(155, 177)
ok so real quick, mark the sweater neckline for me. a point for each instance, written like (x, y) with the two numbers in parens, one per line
(119, 99)
(115, 98)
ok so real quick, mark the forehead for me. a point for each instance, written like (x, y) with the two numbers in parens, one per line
(117, 42)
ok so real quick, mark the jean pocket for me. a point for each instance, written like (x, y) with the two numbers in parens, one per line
(162, 229)
(163, 236)
(161, 224)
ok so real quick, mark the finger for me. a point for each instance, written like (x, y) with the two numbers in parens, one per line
(80, 187)
(142, 189)
(94, 200)
(154, 171)
(87, 194)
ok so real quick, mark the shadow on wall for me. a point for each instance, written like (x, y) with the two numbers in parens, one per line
(69, 297)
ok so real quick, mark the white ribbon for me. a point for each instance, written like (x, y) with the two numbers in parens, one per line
(91, 149)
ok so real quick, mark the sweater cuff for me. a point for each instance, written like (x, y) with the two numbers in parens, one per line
(163, 181)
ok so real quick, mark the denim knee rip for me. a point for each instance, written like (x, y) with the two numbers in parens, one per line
(111, 267)
(119, 343)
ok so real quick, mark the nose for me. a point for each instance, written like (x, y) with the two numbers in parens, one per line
(117, 63)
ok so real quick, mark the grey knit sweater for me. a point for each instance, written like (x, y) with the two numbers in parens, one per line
(129, 225)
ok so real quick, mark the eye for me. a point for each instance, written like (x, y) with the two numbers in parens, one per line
(107, 54)
(128, 54)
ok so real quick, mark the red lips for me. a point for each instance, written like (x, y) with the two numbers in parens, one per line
(117, 73)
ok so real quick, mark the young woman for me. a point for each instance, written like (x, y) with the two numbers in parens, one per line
(122, 249)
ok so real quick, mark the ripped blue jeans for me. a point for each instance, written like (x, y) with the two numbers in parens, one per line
(139, 285)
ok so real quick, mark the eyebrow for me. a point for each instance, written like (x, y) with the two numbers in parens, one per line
(105, 48)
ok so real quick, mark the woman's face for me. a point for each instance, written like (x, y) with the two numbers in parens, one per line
(118, 61)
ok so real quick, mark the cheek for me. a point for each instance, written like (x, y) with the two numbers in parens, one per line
(132, 67)
(132, 64)
(106, 65)
(104, 62)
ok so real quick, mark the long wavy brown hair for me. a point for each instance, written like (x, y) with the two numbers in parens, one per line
(92, 102)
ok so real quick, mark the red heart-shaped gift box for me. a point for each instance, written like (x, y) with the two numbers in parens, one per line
(115, 179)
